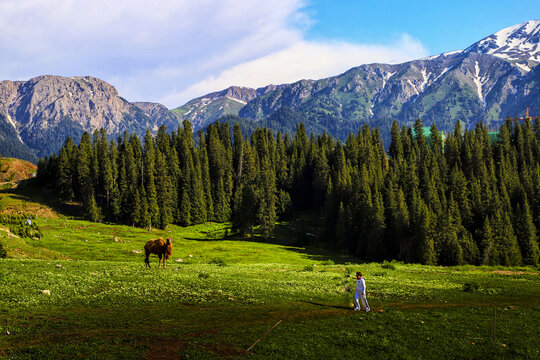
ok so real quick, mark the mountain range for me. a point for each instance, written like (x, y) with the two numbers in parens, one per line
(490, 80)
(494, 78)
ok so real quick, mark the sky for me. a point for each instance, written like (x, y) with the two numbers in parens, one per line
(175, 50)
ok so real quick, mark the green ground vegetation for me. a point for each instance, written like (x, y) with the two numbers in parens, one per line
(82, 291)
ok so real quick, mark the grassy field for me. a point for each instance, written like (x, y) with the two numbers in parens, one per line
(227, 292)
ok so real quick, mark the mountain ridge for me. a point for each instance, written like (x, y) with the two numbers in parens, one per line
(46, 109)
(496, 77)
(479, 83)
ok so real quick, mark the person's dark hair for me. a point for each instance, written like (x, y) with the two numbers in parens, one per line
(358, 273)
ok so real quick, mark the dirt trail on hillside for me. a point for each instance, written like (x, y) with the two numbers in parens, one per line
(9, 232)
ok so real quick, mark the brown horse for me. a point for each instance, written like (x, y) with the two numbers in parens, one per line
(162, 248)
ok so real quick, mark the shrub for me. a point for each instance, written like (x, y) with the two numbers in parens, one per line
(328, 262)
(470, 287)
(3, 253)
(204, 275)
(218, 261)
(388, 265)
(308, 268)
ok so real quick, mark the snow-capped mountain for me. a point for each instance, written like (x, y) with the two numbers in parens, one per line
(488, 81)
(519, 44)
(494, 78)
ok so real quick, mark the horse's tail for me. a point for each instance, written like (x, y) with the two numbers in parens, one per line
(147, 255)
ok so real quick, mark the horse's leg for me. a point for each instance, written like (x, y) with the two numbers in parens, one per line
(159, 263)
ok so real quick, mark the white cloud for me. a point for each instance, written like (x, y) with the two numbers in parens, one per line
(175, 50)
(303, 60)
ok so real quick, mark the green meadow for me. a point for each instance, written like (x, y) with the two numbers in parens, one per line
(220, 294)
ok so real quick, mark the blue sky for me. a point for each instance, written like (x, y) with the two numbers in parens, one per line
(171, 51)
(439, 25)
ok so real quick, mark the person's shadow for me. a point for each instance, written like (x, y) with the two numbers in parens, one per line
(327, 305)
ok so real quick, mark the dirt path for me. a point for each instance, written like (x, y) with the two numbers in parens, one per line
(10, 234)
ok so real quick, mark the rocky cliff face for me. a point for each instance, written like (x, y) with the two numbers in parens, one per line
(45, 110)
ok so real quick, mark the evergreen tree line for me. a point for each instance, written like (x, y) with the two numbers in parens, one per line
(467, 198)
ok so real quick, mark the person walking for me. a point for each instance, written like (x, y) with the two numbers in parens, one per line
(360, 293)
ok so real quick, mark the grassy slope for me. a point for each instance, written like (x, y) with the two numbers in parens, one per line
(215, 304)
(16, 169)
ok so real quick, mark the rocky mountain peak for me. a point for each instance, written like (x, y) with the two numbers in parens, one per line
(46, 109)
(519, 43)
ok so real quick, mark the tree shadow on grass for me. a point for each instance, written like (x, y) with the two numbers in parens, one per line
(28, 192)
(311, 249)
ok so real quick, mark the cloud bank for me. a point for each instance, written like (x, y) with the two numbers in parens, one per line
(173, 51)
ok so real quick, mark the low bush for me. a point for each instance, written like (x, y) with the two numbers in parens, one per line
(471, 287)
(218, 261)
(308, 268)
(204, 275)
(388, 265)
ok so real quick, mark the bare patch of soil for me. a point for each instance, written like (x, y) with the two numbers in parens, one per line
(165, 348)
(509, 272)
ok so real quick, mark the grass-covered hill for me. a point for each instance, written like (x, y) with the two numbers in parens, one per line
(13, 170)
(80, 290)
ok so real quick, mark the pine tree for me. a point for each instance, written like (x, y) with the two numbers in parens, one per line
(164, 190)
(86, 188)
(106, 174)
(487, 244)
(447, 244)
(130, 183)
(526, 234)
(64, 178)
(422, 249)
(92, 211)
(341, 226)
(396, 146)
(150, 194)
(205, 177)
(505, 241)
(266, 214)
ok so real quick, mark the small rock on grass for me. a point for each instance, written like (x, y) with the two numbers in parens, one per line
(46, 292)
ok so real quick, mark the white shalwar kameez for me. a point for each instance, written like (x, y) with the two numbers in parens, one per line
(360, 295)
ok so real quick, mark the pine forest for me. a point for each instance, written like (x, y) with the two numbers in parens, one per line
(466, 197)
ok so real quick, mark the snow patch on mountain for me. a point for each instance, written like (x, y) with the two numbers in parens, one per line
(15, 127)
(479, 82)
(449, 53)
(443, 72)
(425, 79)
(237, 100)
(385, 77)
(414, 87)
